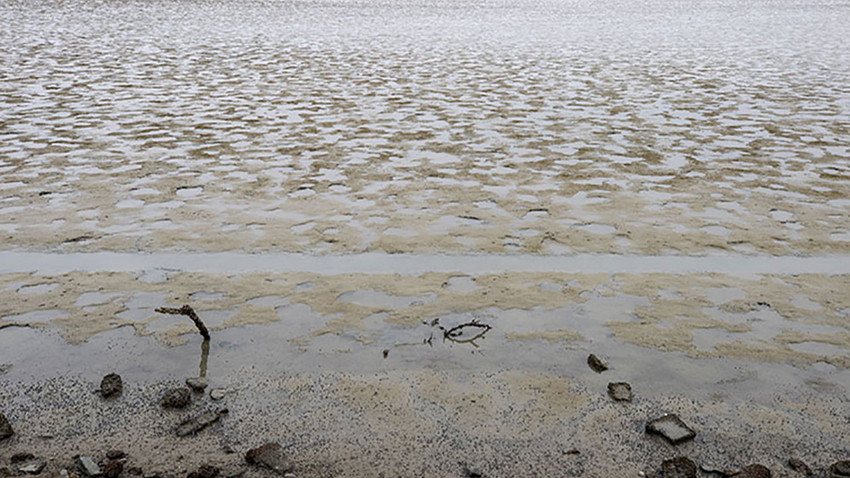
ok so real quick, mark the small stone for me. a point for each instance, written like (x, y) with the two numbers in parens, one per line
(671, 427)
(472, 472)
(21, 457)
(840, 468)
(176, 398)
(5, 428)
(115, 454)
(620, 391)
(679, 467)
(218, 393)
(195, 424)
(113, 469)
(111, 385)
(596, 364)
(799, 466)
(755, 471)
(271, 456)
(88, 467)
(198, 384)
(33, 467)
(719, 470)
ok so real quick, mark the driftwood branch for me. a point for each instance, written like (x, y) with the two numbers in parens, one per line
(188, 312)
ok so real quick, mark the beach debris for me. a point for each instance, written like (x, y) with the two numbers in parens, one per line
(88, 466)
(195, 424)
(456, 333)
(386, 353)
(176, 398)
(596, 364)
(5, 427)
(115, 454)
(755, 471)
(799, 466)
(679, 467)
(33, 467)
(709, 468)
(671, 427)
(472, 472)
(188, 311)
(840, 468)
(270, 456)
(205, 471)
(218, 393)
(198, 384)
(111, 385)
(113, 469)
(620, 391)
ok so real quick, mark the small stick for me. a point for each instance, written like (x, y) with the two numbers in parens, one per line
(189, 312)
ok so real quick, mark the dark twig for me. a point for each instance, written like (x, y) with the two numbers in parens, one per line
(456, 332)
(189, 312)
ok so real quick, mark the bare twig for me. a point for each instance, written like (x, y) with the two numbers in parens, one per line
(454, 334)
(189, 312)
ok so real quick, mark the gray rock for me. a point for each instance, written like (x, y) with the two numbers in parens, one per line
(218, 393)
(195, 424)
(270, 456)
(5, 428)
(708, 468)
(111, 385)
(799, 466)
(840, 468)
(679, 467)
(88, 467)
(671, 427)
(176, 398)
(33, 467)
(198, 384)
(597, 364)
(620, 391)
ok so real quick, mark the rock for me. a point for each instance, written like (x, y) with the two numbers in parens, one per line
(620, 391)
(755, 471)
(596, 364)
(270, 456)
(21, 457)
(33, 467)
(719, 470)
(205, 471)
(115, 454)
(671, 427)
(135, 470)
(111, 385)
(113, 469)
(176, 398)
(198, 423)
(88, 467)
(679, 467)
(5, 428)
(799, 466)
(218, 393)
(198, 384)
(840, 468)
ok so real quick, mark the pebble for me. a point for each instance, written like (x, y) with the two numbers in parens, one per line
(113, 469)
(671, 427)
(799, 466)
(270, 456)
(111, 385)
(115, 454)
(198, 384)
(218, 393)
(176, 398)
(755, 471)
(5, 427)
(596, 364)
(88, 466)
(21, 457)
(33, 468)
(620, 391)
(205, 471)
(840, 468)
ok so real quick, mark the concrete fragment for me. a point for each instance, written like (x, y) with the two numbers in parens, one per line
(671, 427)
(88, 466)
